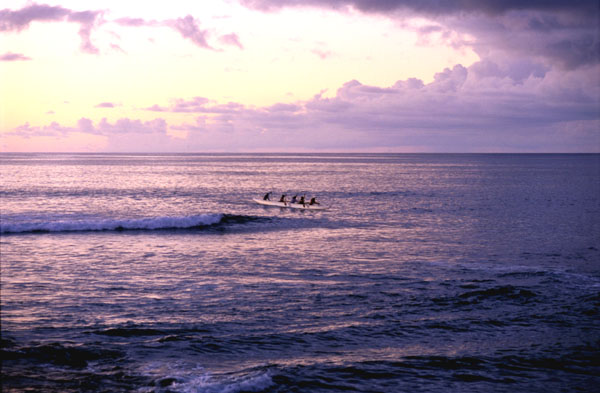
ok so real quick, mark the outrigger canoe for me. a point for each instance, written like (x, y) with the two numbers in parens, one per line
(289, 205)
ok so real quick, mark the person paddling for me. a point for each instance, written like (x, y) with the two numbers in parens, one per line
(313, 201)
(266, 197)
(282, 199)
(294, 199)
(302, 202)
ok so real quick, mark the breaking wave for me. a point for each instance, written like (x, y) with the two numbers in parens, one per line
(150, 223)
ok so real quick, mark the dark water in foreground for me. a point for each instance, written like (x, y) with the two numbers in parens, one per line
(432, 273)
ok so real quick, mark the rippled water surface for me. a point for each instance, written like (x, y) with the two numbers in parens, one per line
(432, 273)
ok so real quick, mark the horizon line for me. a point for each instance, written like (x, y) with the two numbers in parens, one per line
(287, 152)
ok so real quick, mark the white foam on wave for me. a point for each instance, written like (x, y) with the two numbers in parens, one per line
(209, 384)
(113, 224)
(193, 378)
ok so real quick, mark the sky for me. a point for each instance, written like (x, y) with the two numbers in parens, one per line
(300, 76)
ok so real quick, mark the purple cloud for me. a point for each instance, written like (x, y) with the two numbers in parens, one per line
(128, 126)
(20, 19)
(189, 28)
(157, 108)
(283, 108)
(130, 135)
(104, 127)
(570, 42)
(485, 107)
(231, 39)
(8, 56)
(105, 105)
(53, 129)
(133, 22)
(196, 105)
(87, 126)
(86, 19)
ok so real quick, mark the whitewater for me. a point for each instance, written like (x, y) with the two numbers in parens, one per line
(114, 225)
(427, 273)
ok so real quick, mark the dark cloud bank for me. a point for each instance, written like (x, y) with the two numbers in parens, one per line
(559, 31)
(435, 7)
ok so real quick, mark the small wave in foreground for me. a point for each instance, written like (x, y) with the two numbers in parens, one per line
(150, 223)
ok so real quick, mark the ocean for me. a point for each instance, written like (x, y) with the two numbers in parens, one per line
(427, 273)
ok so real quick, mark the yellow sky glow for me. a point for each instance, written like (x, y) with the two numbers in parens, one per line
(288, 56)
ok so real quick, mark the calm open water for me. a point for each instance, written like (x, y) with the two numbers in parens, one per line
(428, 273)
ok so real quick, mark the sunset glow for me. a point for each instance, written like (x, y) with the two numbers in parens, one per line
(256, 75)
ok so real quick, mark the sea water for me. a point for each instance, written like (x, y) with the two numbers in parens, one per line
(431, 273)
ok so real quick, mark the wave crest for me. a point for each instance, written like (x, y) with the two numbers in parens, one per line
(151, 223)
